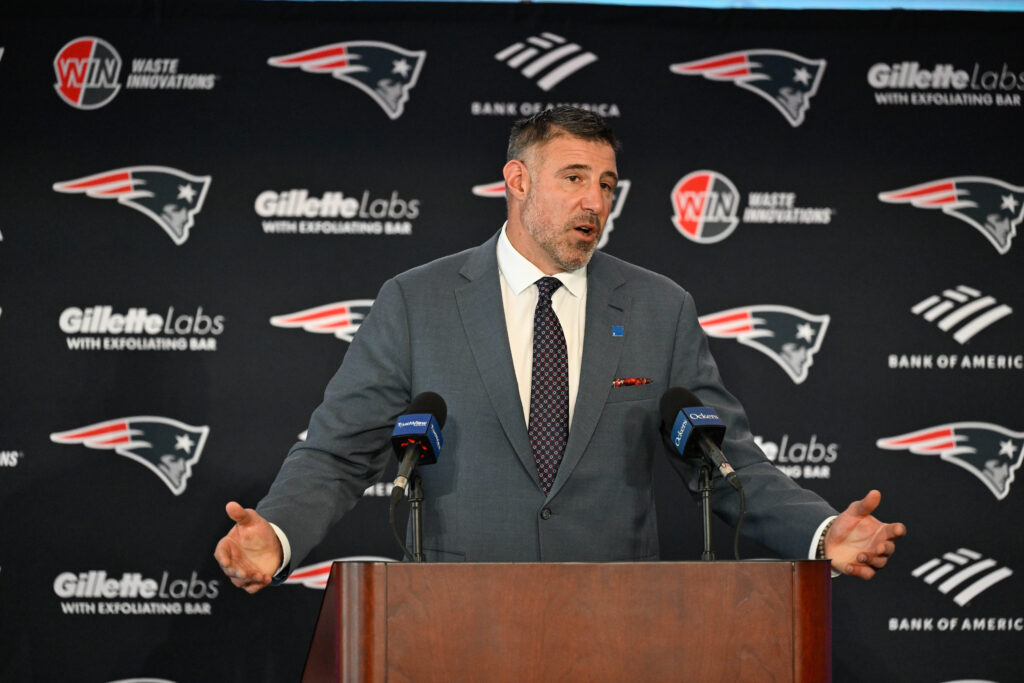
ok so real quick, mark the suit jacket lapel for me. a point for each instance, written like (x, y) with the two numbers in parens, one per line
(480, 307)
(605, 307)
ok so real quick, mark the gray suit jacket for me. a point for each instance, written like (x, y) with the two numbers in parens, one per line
(440, 327)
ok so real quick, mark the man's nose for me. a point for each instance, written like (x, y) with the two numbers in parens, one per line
(593, 198)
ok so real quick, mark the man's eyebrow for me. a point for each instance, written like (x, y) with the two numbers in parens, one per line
(574, 167)
(586, 167)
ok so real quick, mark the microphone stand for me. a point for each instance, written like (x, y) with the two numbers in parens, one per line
(416, 512)
(705, 501)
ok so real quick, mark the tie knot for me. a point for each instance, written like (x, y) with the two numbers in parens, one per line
(547, 286)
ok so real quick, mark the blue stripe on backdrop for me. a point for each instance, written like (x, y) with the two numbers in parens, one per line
(949, 5)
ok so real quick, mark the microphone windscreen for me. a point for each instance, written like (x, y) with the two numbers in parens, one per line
(674, 400)
(430, 403)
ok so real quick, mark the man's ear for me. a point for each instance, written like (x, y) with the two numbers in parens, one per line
(517, 179)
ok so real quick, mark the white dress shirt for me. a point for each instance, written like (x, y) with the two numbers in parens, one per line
(519, 298)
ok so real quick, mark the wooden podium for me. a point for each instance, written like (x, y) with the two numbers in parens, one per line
(652, 621)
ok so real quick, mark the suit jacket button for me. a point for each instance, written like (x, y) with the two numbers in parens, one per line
(545, 513)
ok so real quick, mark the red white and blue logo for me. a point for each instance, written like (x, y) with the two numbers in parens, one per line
(342, 318)
(787, 335)
(990, 452)
(785, 79)
(171, 198)
(87, 69)
(167, 447)
(383, 71)
(992, 207)
(315, 576)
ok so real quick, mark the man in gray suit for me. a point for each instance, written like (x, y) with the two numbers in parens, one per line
(465, 326)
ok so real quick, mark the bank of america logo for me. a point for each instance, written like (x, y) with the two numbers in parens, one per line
(965, 574)
(963, 309)
(548, 59)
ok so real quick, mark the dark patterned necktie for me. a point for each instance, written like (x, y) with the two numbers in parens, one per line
(549, 386)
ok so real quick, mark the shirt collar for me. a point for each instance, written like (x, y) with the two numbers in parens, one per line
(520, 273)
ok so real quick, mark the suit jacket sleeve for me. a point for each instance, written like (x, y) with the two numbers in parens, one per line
(781, 515)
(348, 441)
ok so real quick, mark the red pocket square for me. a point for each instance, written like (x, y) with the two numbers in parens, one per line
(631, 381)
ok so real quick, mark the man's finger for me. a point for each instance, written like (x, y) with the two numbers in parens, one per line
(861, 571)
(251, 583)
(238, 514)
(866, 505)
(247, 583)
(222, 553)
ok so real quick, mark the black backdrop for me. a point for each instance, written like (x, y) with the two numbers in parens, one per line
(120, 328)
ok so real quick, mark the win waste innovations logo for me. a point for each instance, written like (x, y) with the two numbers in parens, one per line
(706, 208)
(88, 71)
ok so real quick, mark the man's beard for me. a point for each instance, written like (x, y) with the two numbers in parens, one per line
(558, 243)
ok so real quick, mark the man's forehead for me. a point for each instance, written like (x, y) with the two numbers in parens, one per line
(568, 151)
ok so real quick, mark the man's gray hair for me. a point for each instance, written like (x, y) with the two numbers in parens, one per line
(551, 123)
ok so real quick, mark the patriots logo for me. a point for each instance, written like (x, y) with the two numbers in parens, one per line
(493, 190)
(315, 576)
(340, 318)
(167, 447)
(497, 190)
(990, 452)
(787, 80)
(383, 71)
(991, 206)
(789, 336)
(170, 197)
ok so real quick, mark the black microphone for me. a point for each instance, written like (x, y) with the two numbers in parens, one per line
(417, 437)
(696, 430)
